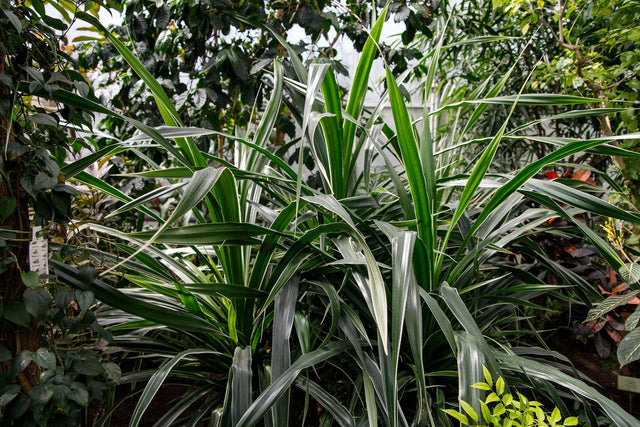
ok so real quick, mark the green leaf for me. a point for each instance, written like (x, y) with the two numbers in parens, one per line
(482, 386)
(500, 386)
(31, 279)
(486, 413)
(629, 347)
(15, 21)
(571, 421)
(17, 313)
(272, 393)
(79, 394)
(612, 302)
(630, 273)
(8, 393)
(112, 371)
(469, 410)
(487, 377)
(84, 298)
(88, 366)
(197, 188)
(458, 416)
(41, 394)
(632, 321)
(19, 363)
(7, 207)
(38, 302)
(44, 358)
(241, 394)
(156, 381)
(208, 234)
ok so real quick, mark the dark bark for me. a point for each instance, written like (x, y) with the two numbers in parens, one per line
(15, 338)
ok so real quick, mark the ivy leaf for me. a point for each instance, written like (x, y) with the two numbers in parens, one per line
(79, 394)
(31, 279)
(38, 302)
(113, 371)
(7, 207)
(44, 358)
(17, 313)
(84, 298)
(18, 364)
(44, 119)
(8, 393)
(41, 394)
(89, 367)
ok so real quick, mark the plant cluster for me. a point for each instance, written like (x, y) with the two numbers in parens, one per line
(501, 409)
(381, 292)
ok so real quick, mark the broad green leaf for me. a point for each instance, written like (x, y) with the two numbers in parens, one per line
(629, 347)
(632, 321)
(173, 318)
(612, 302)
(31, 279)
(360, 85)
(241, 394)
(198, 187)
(630, 273)
(284, 311)
(207, 234)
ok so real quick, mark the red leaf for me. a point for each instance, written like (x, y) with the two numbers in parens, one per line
(551, 175)
(615, 335)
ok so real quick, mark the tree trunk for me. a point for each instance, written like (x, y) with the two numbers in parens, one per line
(15, 338)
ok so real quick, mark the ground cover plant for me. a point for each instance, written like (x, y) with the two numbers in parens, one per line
(382, 293)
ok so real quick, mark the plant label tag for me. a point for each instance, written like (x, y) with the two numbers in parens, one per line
(38, 254)
(629, 384)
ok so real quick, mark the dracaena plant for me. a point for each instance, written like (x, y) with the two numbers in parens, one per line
(380, 296)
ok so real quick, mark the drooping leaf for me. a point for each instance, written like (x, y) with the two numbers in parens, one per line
(612, 302)
(629, 347)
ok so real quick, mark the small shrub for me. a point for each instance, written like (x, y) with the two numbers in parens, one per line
(505, 410)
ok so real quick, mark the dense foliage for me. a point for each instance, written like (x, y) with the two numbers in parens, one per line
(382, 292)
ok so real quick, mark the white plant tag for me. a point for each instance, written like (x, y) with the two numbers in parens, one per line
(38, 254)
